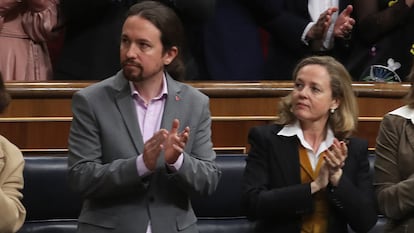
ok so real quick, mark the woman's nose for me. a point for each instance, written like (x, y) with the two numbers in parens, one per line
(303, 91)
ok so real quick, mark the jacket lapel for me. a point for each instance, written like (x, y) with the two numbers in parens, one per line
(172, 102)
(126, 108)
(409, 131)
(287, 155)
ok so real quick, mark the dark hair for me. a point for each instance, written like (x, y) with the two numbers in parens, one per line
(4, 96)
(171, 28)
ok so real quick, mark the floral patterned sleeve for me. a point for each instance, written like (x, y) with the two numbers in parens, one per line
(40, 19)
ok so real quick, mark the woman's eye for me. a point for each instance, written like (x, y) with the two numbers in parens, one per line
(315, 89)
(298, 85)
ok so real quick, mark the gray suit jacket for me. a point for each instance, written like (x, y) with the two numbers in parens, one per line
(104, 142)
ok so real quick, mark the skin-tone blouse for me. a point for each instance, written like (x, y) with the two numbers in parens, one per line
(12, 212)
(25, 26)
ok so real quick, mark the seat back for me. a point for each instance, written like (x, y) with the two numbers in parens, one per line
(380, 225)
(51, 206)
(221, 212)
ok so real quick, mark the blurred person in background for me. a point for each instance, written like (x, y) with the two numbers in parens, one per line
(233, 42)
(25, 27)
(300, 28)
(91, 41)
(384, 31)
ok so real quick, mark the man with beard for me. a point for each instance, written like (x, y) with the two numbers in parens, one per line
(140, 141)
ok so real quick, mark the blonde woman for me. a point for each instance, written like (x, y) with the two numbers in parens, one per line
(307, 174)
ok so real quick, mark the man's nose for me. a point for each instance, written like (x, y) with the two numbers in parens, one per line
(132, 51)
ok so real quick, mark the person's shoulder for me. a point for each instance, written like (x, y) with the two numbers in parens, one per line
(92, 89)
(394, 119)
(267, 133)
(403, 112)
(397, 121)
(269, 128)
(357, 142)
(8, 149)
(5, 142)
(189, 90)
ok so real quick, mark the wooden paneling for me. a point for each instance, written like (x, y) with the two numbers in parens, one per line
(39, 116)
(37, 135)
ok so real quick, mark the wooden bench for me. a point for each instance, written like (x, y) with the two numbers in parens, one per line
(39, 116)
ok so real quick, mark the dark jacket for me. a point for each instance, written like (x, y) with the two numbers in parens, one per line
(274, 195)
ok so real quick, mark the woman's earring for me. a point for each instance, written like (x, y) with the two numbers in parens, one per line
(332, 110)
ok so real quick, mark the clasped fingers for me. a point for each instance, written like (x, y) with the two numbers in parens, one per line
(336, 155)
(153, 147)
(175, 145)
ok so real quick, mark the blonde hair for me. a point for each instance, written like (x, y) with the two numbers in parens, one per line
(345, 118)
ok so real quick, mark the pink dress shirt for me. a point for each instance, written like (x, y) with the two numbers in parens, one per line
(149, 120)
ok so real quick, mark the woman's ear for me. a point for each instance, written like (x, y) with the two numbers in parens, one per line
(335, 104)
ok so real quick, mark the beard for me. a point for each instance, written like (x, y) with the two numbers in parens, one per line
(133, 71)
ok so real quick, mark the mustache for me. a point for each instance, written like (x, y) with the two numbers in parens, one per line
(129, 63)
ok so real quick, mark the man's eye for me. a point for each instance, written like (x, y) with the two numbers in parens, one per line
(124, 40)
(144, 46)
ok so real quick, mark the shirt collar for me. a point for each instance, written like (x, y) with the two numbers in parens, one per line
(164, 91)
(295, 130)
(405, 112)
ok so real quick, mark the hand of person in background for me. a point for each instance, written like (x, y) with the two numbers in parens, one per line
(409, 3)
(335, 160)
(319, 29)
(345, 23)
(175, 143)
(39, 5)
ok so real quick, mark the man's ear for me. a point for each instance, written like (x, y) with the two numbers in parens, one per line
(170, 55)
